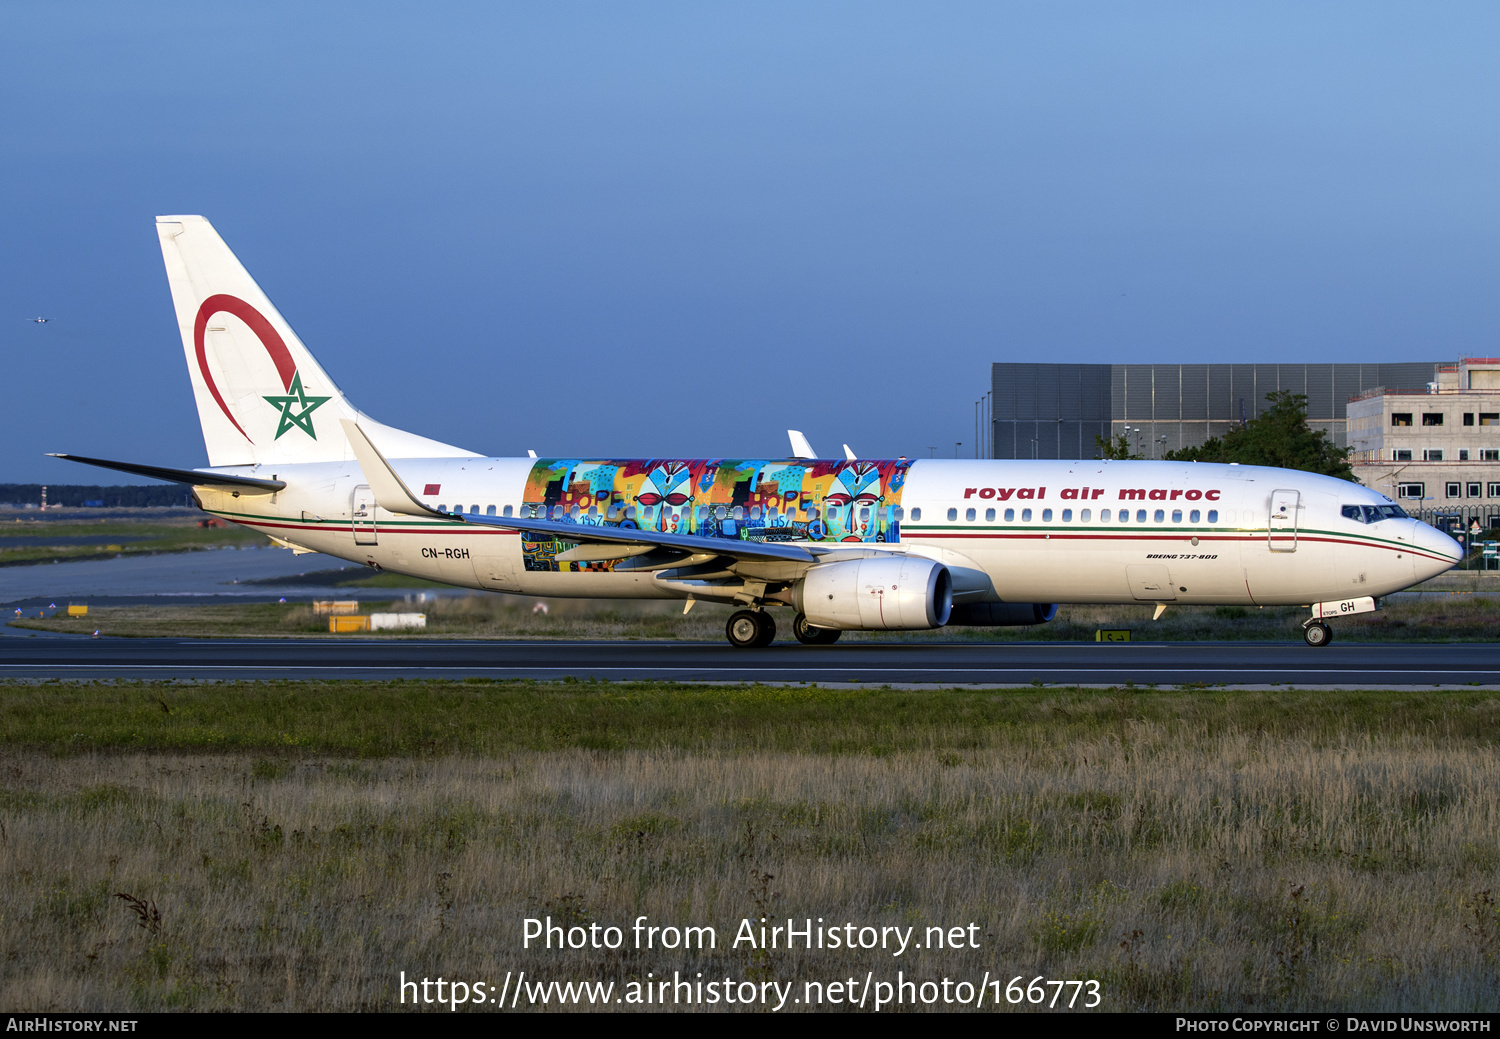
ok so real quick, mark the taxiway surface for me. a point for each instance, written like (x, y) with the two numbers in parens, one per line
(1369, 665)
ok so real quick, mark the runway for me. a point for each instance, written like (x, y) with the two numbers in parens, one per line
(1355, 665)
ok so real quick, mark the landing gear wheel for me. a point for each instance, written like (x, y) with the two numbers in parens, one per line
(811, 636)
(1317, 634)
(750, 629)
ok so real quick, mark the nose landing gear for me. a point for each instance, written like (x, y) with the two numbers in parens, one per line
(1316, 633)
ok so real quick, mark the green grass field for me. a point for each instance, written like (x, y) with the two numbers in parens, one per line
(135, 537)
(269, 846)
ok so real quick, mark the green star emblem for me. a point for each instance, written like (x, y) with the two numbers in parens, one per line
(304, 404)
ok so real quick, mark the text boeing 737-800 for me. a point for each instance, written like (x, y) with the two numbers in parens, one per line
(849, 544)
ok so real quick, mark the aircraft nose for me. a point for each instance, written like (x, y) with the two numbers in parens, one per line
(1435, 552)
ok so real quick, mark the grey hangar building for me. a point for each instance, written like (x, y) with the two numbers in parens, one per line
(1402, 438)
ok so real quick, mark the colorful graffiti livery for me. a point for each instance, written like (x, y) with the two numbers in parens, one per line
(739, 499)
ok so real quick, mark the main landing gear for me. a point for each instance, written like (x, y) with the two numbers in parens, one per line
(750, 629)
(811, 636)
(1316, 633)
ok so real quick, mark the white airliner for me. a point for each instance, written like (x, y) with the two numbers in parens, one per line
(849, 544)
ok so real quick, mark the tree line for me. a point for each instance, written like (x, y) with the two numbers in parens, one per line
(1279, 436)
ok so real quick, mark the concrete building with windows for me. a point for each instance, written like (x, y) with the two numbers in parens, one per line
(1435, 449)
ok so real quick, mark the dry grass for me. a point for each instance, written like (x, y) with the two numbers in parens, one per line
(1196, 865)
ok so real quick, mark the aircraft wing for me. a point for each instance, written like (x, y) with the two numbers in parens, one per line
(392, 495)
(766, 551)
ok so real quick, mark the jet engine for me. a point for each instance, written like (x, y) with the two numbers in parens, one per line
(1002, 614)
(883, 592)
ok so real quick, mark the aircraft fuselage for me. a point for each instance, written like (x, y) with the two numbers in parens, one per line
(1008, 531)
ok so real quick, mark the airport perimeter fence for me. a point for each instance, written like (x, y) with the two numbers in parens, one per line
(1476, 527)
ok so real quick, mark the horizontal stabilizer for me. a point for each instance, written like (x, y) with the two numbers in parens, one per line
(196, 477)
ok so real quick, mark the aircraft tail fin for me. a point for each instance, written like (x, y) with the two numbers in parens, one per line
(262, 397)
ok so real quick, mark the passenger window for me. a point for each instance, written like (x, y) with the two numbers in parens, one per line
(1083, 517)
(864, 513)
(558, 512)
(916, 514)
(900, 512)
(442, 508)
(720, 512)
(1213, 515)
(1103, 515)
(1010, 515)
(630, 512)
(489, 511)
(506, 512)
(968, 515)
(952, 515)
(1161, 516)
(989, 515)
(573, 512)
(1067, 516)
(1025, 515)
(1194, 516)
(1124, 515)
(1046, 515)
(1140, 515)
(1176, 515)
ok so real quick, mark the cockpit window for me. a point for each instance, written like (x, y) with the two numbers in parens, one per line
(1373, 513)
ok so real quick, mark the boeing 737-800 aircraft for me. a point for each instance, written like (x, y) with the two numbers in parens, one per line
(847, 544)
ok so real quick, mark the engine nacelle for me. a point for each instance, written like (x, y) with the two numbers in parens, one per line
(885, 592)
(1003, 614)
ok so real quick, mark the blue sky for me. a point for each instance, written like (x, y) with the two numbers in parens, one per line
(646, 229)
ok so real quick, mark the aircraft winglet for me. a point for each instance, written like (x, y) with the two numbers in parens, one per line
(800, 447)
(391, 494)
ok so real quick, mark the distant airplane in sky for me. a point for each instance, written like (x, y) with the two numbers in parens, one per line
(38, 320)
(851, 544)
